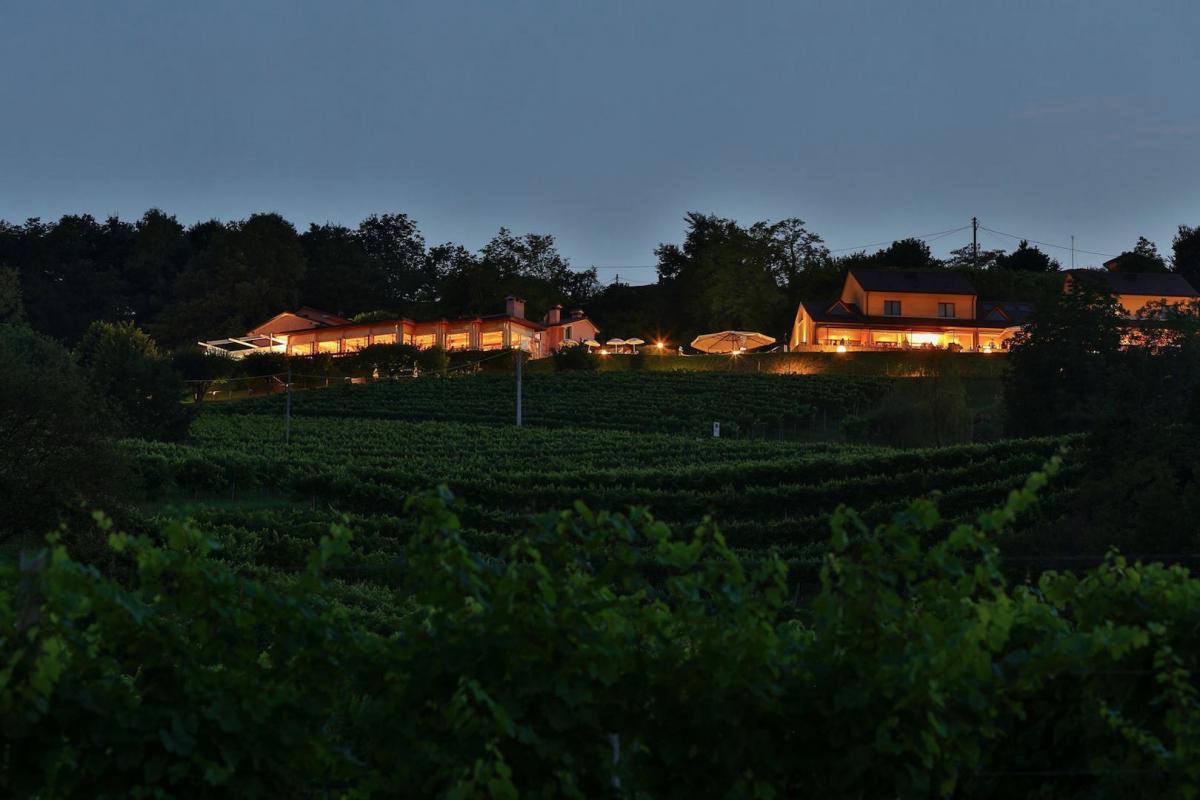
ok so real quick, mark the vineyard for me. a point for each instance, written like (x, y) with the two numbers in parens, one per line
(669, 402)
(270, 501)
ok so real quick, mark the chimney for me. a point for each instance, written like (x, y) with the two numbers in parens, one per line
(514, 307)
(554, 315)
(576, 313)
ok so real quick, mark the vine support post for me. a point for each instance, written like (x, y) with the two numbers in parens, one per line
(520, 358)
(287, 408)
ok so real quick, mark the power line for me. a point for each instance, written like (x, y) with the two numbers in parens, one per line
(1048, 244)
(923, 236)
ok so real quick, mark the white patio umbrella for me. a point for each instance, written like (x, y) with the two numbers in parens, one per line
(591, 342)
(731, 341)
(616, 343)
(634, 342)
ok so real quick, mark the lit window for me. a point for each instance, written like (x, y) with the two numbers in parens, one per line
(425, 340)
(458, 341)
(385, 338)
(491, 340)
(891, 308)
(356, 343)
(946, 310)
(302, 349)
(328, 347)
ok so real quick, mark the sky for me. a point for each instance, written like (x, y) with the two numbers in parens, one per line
(604, 122)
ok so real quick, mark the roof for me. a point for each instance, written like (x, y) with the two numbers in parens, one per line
(319, 316)
(1009, 312)
(1149, 284)
(931, 281)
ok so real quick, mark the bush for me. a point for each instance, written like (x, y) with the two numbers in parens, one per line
(382, 361)
(123, 365)
(920, 412)
(54, 430)
(575, 358)
(201, 369)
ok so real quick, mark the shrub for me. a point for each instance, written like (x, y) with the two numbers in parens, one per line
(916, 413)
(575, 358)
(123, 365)
(54, 431)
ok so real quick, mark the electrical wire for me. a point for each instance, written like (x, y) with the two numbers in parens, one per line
(1048, 244)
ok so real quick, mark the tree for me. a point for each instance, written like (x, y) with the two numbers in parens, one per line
(238, 276)
(1185, 249)
(1026, 259)
(340, 277)
(395, 250)
(1061, 365)
(722, 276)
(1143, 257)
(12, 309)
(968, 257)
(123, 365)
(907, 254)
(57, 451)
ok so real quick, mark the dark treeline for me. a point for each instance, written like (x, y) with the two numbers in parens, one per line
(215, 278)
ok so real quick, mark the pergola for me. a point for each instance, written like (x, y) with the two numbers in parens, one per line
(242, 346)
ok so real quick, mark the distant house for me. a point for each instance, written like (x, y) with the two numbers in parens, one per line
(1134, 290)
(309, 332)
(925, 309)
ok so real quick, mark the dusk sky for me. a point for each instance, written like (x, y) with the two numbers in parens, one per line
(604, 122)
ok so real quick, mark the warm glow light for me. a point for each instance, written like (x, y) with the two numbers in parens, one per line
(603, 352)
(926, 338)
(660, 345)
(987, 348)
(841, 348)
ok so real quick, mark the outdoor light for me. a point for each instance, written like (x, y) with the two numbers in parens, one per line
(841, 348)
(603, 352)
(660, 345)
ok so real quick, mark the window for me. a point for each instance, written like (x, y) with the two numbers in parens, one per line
(891, 308)
(946, 310)
(491, 340)
(458, 341)
(385, 338)
(425, 340)
(328, 347)
(568, 333)
(356, 343)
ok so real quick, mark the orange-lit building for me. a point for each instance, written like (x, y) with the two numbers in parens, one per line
(309, 332)
(924, 309)
(1135, 290)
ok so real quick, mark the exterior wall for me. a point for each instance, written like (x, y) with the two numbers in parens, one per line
(920, 304)
(576, 330)
(858, 336)
(853, 292)
(1133, 303)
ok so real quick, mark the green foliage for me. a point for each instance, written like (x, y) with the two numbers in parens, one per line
(917, 413)
(577, 358)
(564, 669)
(1061, 366)
(669, 401)
(12, 308)
(124, 367)
(53, 430)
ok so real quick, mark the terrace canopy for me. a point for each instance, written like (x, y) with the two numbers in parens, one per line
(731, 341)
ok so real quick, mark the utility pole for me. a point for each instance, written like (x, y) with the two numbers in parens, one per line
(287, 413)
(974, 242)
(520, 358)
(1072, 251)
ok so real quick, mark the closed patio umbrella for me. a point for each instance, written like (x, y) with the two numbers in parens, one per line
(731, 341)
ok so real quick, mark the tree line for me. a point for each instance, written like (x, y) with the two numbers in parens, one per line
(185, 283)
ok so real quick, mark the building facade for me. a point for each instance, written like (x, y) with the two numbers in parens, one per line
(310, 332)
(881, 309)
